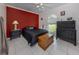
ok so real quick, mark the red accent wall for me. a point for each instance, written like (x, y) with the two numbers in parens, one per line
(24, 18)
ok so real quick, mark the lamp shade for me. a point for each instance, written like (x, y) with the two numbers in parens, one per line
(15, 22)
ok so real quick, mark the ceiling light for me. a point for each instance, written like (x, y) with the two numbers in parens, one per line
(37, 6)
(41, 4)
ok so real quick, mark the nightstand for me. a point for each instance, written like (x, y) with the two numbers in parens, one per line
(15, 34)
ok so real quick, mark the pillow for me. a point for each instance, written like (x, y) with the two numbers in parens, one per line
(30, 27)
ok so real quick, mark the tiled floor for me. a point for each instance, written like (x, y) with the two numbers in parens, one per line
(59, 47)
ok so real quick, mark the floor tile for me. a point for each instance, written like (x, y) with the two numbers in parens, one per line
(20, 46)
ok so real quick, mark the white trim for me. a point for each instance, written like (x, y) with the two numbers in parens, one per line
(21, 9)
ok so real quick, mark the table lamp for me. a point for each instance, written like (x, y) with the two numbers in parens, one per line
(15, 23)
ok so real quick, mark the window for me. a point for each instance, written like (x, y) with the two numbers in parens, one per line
(52, 28)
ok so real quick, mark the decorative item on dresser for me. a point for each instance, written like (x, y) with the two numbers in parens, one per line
(66, 31)
(69, 18)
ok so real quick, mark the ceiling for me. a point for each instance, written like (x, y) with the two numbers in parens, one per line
(32, 6)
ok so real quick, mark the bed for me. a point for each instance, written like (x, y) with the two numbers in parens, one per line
(31, 34)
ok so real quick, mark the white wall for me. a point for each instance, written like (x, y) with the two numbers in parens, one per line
(72, 10)
(3, 13)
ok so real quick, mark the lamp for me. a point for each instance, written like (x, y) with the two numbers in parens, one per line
(15, 23)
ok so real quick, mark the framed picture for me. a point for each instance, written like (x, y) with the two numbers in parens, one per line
(62, 13)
